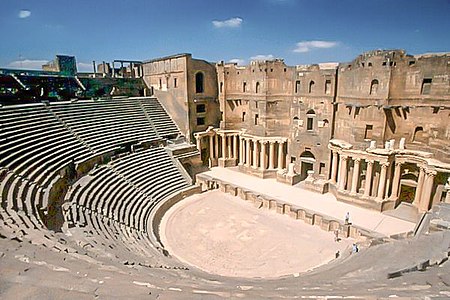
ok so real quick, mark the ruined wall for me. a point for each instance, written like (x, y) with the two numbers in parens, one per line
(419, 104)
(312, 116)
(173, 80)
(363, 92)
(204, 108)
(168, 79)
(256, 97)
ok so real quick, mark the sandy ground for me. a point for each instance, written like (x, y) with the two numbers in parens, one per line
(225, 235)
(325, 204)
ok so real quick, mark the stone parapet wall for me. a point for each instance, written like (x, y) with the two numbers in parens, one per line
(311, 217)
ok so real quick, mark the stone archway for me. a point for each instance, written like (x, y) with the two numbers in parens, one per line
(408, 183)
(307, 163)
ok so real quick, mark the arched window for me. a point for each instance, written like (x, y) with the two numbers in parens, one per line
(310, 115)
(257, 87)
(297, 86)
(374, 87)
(325, 123)
(199, 82)
(419, 134)
(311, 86)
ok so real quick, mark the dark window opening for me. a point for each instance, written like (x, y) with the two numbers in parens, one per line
(328, 87)
(160, 83)
(321, 168)
(297, 86)
(426, 86)
(411, 62)
(243, 116)
(292, 159)
(309, 123)
(369, 64)
(221, 87)
(199, 82)
(257, 87)
(311, 86)
(384, 63)
(373, 87)
(311, 114)
(201, 108)
(368, 132)
(256, 119)
(244, 87)
(200, 121)
(418, 134)
(175, 83)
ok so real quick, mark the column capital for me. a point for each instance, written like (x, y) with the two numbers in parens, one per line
(431, 172)
(344, 157)
(357, 160)
(398, 163)
(384, 164)
(263, 142)
(369, 161)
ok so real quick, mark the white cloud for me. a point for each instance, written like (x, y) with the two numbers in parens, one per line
(84, 67)
(261, 57)
(28, 64)
(24, 13)
(238, 61)
(231, 23)
(306, 46)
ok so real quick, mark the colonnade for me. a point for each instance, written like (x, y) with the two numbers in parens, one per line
(263, 153)
(387, 174)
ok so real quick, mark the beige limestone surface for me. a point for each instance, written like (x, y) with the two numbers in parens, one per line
(224, 235)
(324, 204)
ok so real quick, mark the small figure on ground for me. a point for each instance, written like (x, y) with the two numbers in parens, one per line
(338, 253)
(347, 218)
(336, 235)
(355, 248)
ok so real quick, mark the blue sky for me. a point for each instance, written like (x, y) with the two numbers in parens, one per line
(301, 32)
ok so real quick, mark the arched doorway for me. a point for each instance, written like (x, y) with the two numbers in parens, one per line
(408, 183)
(307, 162)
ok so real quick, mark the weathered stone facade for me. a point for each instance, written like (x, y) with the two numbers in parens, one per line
(187, 88)
(326, 121)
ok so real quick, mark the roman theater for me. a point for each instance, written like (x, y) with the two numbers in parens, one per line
(179, 178)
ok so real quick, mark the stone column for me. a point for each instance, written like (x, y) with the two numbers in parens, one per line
(369, 177)
(334, 167)
(224, 145)
(396, 181)
(216, 149)
(427, 189)
(229, 149)
(255, 154)
(355, 176)
(263, 155)
(247, 152)
(342, 173)
(235, 147)
(382, 184)
(280, 155)
(198, 138)
(241, 151)
(271, 155)
(211, 147)
(419, 187)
